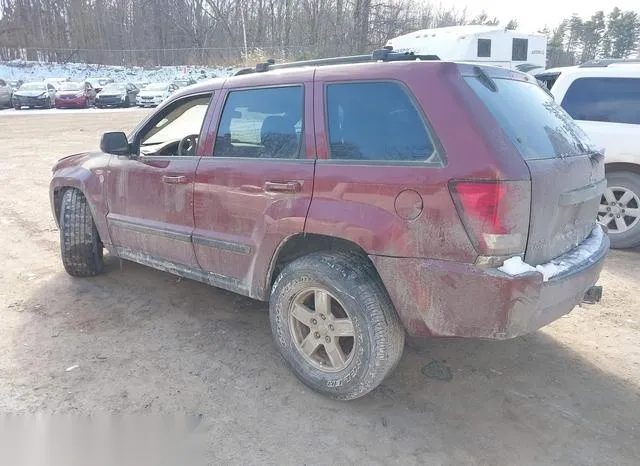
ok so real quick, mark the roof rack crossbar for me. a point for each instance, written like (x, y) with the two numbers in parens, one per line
(604, 62)
(385, 54)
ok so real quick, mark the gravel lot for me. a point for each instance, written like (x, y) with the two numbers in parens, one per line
(147, 342)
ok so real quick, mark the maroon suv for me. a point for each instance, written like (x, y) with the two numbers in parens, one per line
(362, 200)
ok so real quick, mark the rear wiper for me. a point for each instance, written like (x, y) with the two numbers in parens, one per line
(485, 79)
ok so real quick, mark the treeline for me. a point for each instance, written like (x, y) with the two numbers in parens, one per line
(208, 32)
(576, 40)
(157, 32)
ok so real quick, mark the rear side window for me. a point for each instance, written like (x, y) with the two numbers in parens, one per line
(262, 123)
(376, 121)
(520, 49)
(484, 48)
(615, 100)
(537, 126)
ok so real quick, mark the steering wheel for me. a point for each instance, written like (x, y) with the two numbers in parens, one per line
(187, 145)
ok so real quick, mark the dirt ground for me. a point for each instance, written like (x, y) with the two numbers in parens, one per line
(147, 342)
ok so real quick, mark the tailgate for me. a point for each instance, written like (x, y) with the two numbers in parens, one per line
(565, 194)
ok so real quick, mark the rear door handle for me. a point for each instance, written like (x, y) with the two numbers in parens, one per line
(282, 187)
(174, 179)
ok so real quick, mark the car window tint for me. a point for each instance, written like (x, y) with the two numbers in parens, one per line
(537, 126)
(262, 123)
(181, 119)
(615, 100)
(376, 121)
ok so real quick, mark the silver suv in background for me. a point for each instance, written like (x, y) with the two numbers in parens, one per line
(603, 96)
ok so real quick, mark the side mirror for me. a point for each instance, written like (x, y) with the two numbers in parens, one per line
(115, 143)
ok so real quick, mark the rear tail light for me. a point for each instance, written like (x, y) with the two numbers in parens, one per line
(495, 214)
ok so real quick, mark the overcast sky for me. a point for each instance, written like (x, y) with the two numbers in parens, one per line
(534, 15)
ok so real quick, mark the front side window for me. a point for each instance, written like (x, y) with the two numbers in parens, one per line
(520, 49)
(484, 48)
(615, 100)
(176, 130)
(376, 121)
(262, 123)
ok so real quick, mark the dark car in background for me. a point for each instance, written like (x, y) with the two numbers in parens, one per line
(34, 95)
(75, 95)
(6, 93)
(117, 95)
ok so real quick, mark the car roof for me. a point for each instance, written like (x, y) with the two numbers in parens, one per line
(613, 70)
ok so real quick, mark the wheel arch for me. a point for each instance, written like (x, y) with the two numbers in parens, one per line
(622, 166)
(302, 244)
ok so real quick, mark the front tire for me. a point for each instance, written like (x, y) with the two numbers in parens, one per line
(335, 325)
(80, 245)
(620, 209)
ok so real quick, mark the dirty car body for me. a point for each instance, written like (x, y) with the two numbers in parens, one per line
(417, 169)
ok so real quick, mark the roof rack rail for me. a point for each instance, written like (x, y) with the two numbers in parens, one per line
(604, 62)
(385, 54)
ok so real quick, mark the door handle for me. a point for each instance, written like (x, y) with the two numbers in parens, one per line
(284, 187)
(174, 179)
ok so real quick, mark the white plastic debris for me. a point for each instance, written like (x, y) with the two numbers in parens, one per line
(69, 369)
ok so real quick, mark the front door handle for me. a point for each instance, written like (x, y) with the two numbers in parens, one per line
(282, 187)
(174, 179)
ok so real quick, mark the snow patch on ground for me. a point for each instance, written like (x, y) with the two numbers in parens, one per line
(584, 252)
(37, 71)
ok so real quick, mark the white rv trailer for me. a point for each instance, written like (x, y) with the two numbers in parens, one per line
(488, 45)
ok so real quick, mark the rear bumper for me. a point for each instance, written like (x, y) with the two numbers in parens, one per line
(440, 298)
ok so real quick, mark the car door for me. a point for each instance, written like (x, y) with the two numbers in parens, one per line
(150, 195)
(256, 189)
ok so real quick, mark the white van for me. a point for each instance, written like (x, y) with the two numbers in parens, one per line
(488, 45)
(604, 97)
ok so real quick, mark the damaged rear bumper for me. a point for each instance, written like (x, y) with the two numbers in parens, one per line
(441, 298)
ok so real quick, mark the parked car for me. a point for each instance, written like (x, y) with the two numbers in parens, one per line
(34, 94)
(155, 93)
(117, 95)
(184, 82)
(345, 196)
(603, 96)
(6, 92)
(75, 95)
(99, 83)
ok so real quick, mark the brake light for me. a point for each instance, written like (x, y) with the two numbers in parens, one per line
(495, 214)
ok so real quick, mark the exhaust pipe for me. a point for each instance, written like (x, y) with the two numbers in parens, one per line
(593, 295)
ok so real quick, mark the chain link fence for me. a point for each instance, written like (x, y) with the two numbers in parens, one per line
(211, 56)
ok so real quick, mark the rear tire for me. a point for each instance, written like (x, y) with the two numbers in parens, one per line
(369, 346)
(80, 245)
(624, 231)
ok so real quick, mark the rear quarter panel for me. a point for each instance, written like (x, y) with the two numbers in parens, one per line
(359, 202)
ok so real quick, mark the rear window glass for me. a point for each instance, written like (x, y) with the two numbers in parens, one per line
(615, 100)
(538, 127)
(376, 121)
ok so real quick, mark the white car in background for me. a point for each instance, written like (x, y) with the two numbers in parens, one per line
(603, 96)
(154, 94)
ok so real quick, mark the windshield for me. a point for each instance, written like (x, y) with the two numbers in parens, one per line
(33, 87)
(156, 87)
(102, 82)
(71, 87)
(115, 87)
(537, 126)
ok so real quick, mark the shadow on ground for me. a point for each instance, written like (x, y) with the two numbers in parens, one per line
(146, 341)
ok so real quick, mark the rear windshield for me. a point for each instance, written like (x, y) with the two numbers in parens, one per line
(538, 127)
